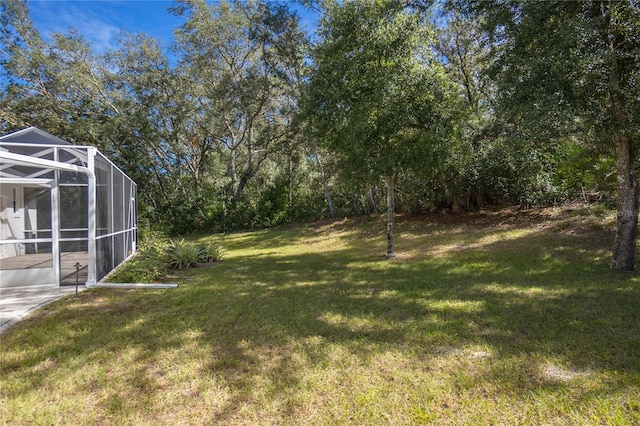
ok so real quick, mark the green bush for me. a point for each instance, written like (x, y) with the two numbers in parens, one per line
(185, 254)
(147, 266)
(211, 253)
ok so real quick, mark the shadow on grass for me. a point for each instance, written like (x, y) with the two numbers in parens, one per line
(253, 323)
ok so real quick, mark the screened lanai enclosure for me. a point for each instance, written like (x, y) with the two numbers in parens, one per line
(66, 212)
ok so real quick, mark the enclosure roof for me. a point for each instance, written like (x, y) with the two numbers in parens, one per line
(33, 135)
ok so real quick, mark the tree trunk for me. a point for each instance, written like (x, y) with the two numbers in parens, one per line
(624, 250)
(290, 182)
(390, 215)
(373, 195)
(233, 174)
(244, 179)
(325, 186)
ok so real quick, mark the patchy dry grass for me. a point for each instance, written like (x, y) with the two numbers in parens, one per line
(486, 318)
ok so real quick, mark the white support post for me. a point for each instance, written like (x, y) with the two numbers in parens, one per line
(112, 228)
(55, 221)
(132, 216)
(91, 216)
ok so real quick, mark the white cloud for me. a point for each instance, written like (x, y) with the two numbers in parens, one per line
(100, 33)
(93, 21)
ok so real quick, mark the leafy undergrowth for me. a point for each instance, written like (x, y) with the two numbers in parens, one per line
(157, 257)
(148, 265)
(485, 318)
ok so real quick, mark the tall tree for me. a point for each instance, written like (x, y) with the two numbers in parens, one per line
(159, 140)
(195, 127)
(56, 84)
(243, 56)
(571, 69)
(376, 95)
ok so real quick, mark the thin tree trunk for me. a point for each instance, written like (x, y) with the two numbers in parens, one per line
(373, 203)
(244, 179)
(390, 215)
(327, 194)
(355, 205)
(290, 206)
(233, 174)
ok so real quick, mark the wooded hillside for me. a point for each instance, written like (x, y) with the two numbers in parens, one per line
(246, 120)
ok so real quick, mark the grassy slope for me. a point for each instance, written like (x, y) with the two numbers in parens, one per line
(483, 319)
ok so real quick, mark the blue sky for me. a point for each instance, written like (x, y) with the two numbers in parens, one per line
(100, 21)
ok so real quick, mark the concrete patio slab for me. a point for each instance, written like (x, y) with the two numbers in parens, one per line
(18, 303)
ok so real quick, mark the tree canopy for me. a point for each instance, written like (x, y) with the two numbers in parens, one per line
(376, 96)
(567, 72)
(245, 120)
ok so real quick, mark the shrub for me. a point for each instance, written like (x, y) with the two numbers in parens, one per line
(184, 254)
(147, 266)
(211, 253)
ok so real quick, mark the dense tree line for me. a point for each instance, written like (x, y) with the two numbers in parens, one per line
(245, 120)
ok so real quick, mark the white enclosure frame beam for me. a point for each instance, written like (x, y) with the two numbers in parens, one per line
(24, 160)
(91, 162)
(55, 222)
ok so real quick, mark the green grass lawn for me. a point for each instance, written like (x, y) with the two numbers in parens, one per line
(484, 318)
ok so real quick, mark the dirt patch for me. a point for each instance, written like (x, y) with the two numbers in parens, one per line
(556, 373)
